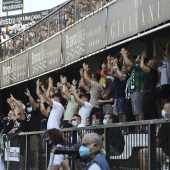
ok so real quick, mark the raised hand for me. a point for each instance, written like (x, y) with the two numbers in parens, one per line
(85, 67)
(27, 92)
(81, 72)
(74, 82)
(103, 66)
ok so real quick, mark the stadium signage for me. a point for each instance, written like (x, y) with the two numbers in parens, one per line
(14, 70)
(137, 16)
(85, 37)
(11, 5)
(45, 56)
(25, 18)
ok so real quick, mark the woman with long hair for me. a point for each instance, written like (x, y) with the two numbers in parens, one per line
(107, 98)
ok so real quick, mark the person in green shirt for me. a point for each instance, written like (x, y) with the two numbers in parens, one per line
(135, 84)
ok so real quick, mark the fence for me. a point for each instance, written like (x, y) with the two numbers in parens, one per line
(125, 145)
(58, 20)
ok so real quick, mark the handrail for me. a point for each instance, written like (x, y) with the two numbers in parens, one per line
(132, 123)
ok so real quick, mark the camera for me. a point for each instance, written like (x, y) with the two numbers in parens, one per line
(68, 150)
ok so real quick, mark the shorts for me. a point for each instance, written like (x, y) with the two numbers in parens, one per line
(137, 102)
(34, 142)
(120, 105)
(165, 91)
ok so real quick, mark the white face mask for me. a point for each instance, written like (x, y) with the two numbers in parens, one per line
(29, 109)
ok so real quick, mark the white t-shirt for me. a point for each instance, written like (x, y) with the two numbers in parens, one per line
(84, 112)
(165, 71)
(55, 159)
(55, 116)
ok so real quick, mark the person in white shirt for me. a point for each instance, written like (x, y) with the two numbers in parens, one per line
(57, 107)
(86, 107)
(55, 138)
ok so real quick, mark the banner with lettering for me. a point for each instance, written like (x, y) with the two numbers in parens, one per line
(84, 38)
(45, 56)
(152, 13)
(53, 52)
(12, 151)
(95, 32)
(14, 70)
(73, 43)
(122, 24)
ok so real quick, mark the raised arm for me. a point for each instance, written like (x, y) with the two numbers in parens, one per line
(43, 110)
(76, 97)
(124, 54)
(82, 82)
(33, 104)
(86, 76)
(103, 70)
(38, 92)
(64, 90)
(20, 106)
(109, 62)
(120, 73)
(142, 64)
(50, 85)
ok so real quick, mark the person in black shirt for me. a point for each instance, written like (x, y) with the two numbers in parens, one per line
(149, 87)
(34, 117)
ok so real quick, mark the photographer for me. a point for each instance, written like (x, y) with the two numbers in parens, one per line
(92, 153)
(55, 139)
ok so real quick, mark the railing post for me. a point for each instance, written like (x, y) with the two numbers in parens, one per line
(152, 146)
(91, 6)
(107, 144)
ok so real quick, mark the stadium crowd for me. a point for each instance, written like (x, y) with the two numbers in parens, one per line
(125, 88)
(28, 35)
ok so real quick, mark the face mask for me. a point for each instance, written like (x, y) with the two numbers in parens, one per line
(163, 113)
(105, 122)
(93, 123)
(84, 151)
(74, 123)
(29, 109)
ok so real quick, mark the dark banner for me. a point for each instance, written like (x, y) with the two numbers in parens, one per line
(11, 5)
(86, 37)
(152, 13)
(45, 56)
(122, 23)
(24, 18)
(14, 70)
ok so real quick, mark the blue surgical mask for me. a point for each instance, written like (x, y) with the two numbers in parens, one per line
(29, 109)
(74, 123)
(163, 113)
(105, 122)
(93, 123)
(84, 151)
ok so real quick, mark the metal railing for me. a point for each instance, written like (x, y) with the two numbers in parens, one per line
(124, 143)
(69, 13)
